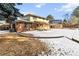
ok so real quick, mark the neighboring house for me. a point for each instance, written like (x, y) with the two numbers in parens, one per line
(2, 22)
(56, 24)
(73, 23)
(4, 25)
(56, 21)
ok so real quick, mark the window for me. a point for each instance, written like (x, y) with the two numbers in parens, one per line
(26, 18)
(34, 18)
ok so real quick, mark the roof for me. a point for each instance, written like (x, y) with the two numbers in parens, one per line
(23, 21)
(56, 21)
(20, 21)
(35, 16)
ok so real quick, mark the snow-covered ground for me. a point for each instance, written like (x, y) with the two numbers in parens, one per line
(57, 32)
(60, 46)
(2, 32)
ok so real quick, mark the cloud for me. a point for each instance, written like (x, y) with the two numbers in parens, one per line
(40, 5)
(55, 8)
(69, 7)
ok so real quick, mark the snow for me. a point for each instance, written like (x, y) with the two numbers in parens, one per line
(4, 31)
(60, 46)
(56, 32)
(66, 46)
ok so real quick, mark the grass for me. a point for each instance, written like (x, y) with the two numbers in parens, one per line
(11, 44)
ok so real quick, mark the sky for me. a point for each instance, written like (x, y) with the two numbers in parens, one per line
(57, 10)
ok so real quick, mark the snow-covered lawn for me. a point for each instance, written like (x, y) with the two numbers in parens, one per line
(60, 46)
(2, 32)
(71, 33)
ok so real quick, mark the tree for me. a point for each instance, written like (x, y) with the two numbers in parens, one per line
(74, 20)
(64, 21)
(9, 13)
(75, 15)
(76, 12)
(50, 18)
(66, 16)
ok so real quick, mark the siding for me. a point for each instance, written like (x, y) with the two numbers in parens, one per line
(38, 20)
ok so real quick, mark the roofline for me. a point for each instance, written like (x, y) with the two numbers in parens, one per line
(29, 21)
(57, 20)
(35, 16)
(21, 21)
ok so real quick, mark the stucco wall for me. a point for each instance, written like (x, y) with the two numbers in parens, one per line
(38, 20)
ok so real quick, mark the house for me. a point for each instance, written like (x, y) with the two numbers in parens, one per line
(4, 25)
(56, 24)
(56, 21)
(35, 18)
(41, 23)
(70, 25)
(2, 22)
(31, 22)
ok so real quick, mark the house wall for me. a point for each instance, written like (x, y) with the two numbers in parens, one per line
(32, 19)
(4, 25)
(70, 25)
(43, 26)
(26, 18)
(37, 23)
(56, 25)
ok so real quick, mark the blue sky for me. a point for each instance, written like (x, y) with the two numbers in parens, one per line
(58, 10)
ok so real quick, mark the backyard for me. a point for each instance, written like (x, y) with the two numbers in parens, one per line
(61, 46)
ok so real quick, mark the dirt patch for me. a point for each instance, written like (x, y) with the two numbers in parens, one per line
(13, 44)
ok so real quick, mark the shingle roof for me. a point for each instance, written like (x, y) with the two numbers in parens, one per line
(56, 21)
(22, 21)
